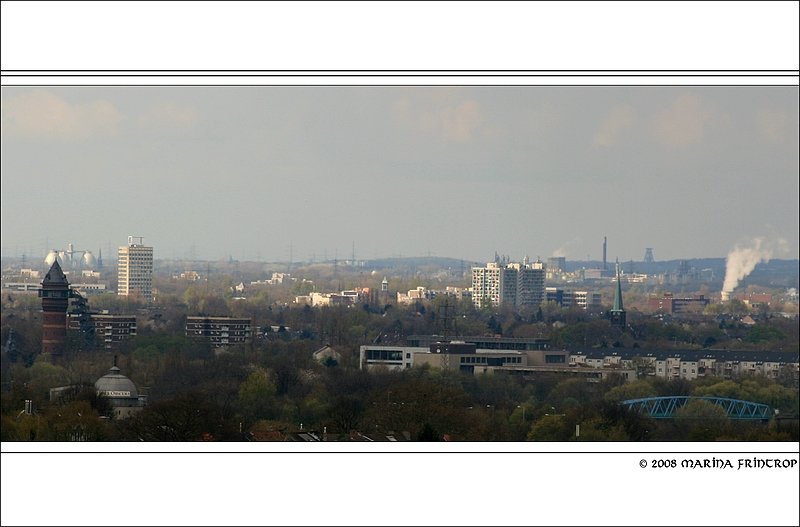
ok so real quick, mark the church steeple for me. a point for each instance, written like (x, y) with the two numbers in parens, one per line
(618, 312)
(618, 295)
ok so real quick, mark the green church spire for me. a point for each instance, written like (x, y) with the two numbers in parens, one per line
(618, 295)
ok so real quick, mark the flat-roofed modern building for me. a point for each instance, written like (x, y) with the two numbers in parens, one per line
(467, 358)
(530, 284)
(671, 304)
(388, 357)
(135, 269)
(568, 298)
(591, 364)
(220, 331)
(484, 342)
(111, 330)
(514, 283)
(493, 285)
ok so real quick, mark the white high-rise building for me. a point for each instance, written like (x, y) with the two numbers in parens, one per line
(515, 284)
(135, 269)
(530, 284)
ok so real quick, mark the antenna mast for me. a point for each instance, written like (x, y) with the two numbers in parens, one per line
(446, 318)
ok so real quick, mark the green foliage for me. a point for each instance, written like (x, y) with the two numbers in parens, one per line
(763, 334)
(147, 354)
(576, 389)
(276, 380)
(551, 428)
(45, 375)
(633, 390)
(597, 429)
(256, 395)
(702, 420)
(756, 389)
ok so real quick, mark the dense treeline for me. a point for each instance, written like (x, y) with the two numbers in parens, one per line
(278, 387)
(273, 385)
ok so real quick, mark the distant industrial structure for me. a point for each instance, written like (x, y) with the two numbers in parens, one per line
(66, 258)
(135, 269)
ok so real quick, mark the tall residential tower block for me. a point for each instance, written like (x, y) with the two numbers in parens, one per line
(135, 269)
(513, 284)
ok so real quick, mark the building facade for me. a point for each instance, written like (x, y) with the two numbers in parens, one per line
(220, 331)
(511, 284)
(673, 305)
(515, 356)
(135, 269)
(692, 364)
(530, 284)
(121, 393)
(55, 294)
(110, 330)
(568, 298)
(467, 358)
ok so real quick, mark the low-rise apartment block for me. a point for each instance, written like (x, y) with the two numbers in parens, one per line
(110, 330)
(220, 331)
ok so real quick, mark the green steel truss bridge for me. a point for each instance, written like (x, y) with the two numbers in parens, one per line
(665, 407)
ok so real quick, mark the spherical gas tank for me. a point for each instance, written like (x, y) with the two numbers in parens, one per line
(89, 261)
(52, 257)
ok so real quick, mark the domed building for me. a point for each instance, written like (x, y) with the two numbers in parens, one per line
(121, 393)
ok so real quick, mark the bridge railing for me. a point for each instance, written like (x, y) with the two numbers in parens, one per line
(665, 407)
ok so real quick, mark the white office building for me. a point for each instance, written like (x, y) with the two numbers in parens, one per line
(135, 269)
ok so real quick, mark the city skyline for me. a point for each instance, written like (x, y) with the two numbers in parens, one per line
(399, 171)
(322, 172)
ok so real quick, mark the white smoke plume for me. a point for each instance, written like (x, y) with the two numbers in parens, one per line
(742, 260)
(565, 248)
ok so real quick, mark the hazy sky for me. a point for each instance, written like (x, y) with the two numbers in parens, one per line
(461, 171)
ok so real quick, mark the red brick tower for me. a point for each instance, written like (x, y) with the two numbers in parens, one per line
(55, 292)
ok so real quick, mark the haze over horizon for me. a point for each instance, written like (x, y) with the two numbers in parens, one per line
(279, 173)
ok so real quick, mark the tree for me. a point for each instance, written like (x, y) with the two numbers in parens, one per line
(346, 412)
(256, 395)
(700, 420)
(191, 416)
(632, 390)
(597, 429)
(550, 428)
(760, 333)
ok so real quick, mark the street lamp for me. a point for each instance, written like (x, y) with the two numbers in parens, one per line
(523, 411)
